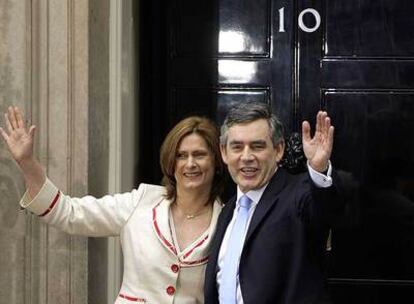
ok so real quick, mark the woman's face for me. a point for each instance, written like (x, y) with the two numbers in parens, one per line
(194, 164)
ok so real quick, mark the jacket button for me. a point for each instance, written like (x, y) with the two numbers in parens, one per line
(170, 290)
(175, 268)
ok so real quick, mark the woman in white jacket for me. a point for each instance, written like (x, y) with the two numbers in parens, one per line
(165, 230)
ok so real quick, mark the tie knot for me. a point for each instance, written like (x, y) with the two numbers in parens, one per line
(245, 202)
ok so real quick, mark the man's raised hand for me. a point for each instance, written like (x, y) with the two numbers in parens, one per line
(318, 148)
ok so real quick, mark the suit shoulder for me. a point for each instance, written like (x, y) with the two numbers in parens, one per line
(151, 192)
(296, 177)
(298, 181)
(152, 187)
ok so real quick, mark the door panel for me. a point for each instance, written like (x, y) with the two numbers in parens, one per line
(374, 149)
(369, 28)
(349, 73)
(244, 28)
(244, 72)
(228, 97)
(248, 60)
(359, 68)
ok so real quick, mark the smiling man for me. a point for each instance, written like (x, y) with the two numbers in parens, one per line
(271, 237)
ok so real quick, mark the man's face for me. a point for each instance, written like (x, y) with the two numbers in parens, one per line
(250, 155)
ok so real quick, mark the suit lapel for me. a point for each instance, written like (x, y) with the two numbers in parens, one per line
(223, 221)
(210, 278)
(267, 201)
(161, 225)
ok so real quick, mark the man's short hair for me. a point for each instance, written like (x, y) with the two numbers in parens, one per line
(246, 112)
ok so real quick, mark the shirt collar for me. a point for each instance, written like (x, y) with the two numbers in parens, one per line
(255, 195)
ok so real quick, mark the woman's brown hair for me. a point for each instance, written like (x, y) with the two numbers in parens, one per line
(209, 132)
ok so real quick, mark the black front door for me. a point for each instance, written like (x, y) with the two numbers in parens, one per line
(363, 74)
(353, 58)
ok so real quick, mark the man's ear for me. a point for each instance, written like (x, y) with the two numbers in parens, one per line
(280, 150)
(223, 153)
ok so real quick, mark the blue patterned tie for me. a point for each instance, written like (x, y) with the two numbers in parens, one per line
(230, 269)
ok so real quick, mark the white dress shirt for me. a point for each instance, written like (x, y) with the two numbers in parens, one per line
(319, 179)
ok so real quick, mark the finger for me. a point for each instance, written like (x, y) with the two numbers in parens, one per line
(330, 139)
(32, 131)
(8, 124)
(326, 125)
(4, 135)
(324, 128)
(12, 118)
(318, 126)
(306, 131)
(19, 118)
(331, 135)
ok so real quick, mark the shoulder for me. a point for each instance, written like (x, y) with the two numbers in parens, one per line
(292, 182)
(149, 192)
(151, 187)
(292, 178)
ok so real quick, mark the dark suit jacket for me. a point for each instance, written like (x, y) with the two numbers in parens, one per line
(283, 254)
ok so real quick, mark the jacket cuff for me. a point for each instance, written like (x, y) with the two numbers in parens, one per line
(44, 201)
(319, 179)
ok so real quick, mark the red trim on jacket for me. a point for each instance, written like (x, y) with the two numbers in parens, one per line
(194, 263)
(133, 299)
(157, 229)
(197, 245)
(55, 200)
(172, 248)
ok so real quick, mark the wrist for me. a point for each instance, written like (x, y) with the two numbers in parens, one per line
(32, 170)
(321, 168)
(26, 163)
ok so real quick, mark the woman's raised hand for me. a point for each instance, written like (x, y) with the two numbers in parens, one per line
(18, 138)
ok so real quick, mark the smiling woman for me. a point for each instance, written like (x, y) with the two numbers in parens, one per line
(193, 170)
(165, 232)
(206, 141)
(194, 167)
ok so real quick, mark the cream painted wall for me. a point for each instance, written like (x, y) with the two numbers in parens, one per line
(47, 50)
(14, 89)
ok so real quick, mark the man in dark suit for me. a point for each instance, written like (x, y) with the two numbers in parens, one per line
(270, 240)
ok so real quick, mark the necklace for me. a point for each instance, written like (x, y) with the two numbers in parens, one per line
(190, 216)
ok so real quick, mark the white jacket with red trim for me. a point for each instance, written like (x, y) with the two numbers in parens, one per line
(154, 270)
